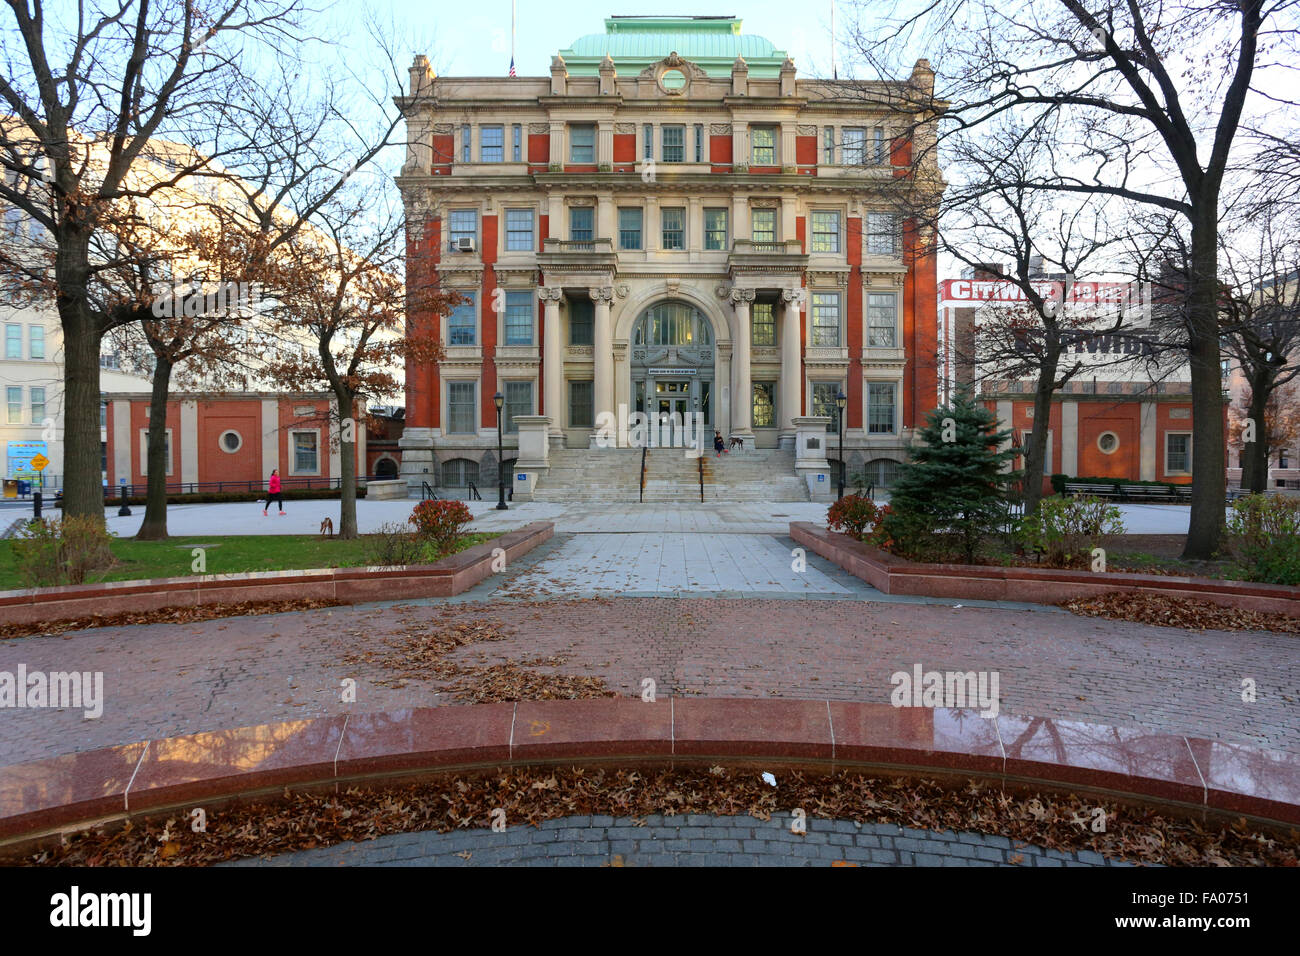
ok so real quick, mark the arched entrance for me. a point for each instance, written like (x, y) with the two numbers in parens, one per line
(672, 368)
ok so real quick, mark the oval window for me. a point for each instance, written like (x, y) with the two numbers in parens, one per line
(674, 81)
(1108, 442)
(230, 441)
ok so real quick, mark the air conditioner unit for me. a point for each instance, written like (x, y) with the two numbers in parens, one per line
(464, 244)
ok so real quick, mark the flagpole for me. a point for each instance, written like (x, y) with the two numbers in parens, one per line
(834, 73)
(512, 31)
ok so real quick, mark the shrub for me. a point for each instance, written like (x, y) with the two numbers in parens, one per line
(441, 523)
(1266, 536)
(1058, 483)
(394, 545)
(53, 551)
(1065, 530)
(853, 514)
(952, 494)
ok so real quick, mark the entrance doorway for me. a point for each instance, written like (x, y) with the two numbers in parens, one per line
(671, 426)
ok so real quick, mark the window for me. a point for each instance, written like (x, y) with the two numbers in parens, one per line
(763, 142)
(36, 341)
(629, 228)
(673, 223)
(764, 405)
(880, 408)
(882, 234)
(1282, 460)
(466, 141)
(1178, 453)
(648, 139)
(460, 407)
(462, 324)
(828, 146)
(492, 144)
(855, 146)
(699, 143)
(764, 225)
(582, 223)
(144, 450)
(517, 143)
(13, 341)
(878, 154)
(103, 414)
(1115, 388)
(881, 320)
(715, 229)
(825, 230)
(581, 321)
(580, 405)
(519, 318)
(824, 403)
(672, 146)
(672, 323)
(881, 472)
(762, 324)
(519, 401)
(1108, 442)
(14, 396)
(582, 143)
(110, 360)
(462, 224)
(38, 404)
(826, 319)
(230, 441)
(519, 230)
(459, 473)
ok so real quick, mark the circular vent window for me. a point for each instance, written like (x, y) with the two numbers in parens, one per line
(230, 441)
(673, 81)
(1108, 442)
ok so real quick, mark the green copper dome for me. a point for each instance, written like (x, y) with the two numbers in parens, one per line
(712, 43)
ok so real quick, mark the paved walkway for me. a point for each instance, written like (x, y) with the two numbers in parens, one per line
(304, 517)
(692, 840)
(166, 680)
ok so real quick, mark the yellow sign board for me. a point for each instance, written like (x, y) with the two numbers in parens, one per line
(39, 462)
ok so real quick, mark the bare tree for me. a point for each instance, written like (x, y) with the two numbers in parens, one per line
(1143, 100)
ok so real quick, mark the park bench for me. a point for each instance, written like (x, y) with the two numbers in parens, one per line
(1084, 488)
(1149, 492)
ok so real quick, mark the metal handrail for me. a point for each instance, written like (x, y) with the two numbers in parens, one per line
(427, 493)
(644, 449)
(700, 464)
(473, 492)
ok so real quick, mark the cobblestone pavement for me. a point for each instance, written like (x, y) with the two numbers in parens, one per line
(164, 680)
(691, 840)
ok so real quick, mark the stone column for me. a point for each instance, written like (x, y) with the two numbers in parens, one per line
(791, 364)
(742, 397)
(553, 357)
(602, 351)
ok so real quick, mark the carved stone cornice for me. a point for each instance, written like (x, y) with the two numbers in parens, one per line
(516, 278)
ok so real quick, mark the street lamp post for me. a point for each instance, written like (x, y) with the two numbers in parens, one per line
(841, 400)
(499, 401)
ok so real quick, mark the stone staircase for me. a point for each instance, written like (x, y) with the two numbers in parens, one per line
(614, 475)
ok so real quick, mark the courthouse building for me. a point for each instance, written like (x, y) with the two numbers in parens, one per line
(672, 221)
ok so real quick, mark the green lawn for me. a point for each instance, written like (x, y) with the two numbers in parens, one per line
(225, 554)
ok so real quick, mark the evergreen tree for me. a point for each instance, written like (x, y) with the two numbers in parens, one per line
(953, 492)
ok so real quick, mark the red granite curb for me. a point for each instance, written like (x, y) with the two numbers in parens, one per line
(890, 574)
(452, 575)
(1184, 773)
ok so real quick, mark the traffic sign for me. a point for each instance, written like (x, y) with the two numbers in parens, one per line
(39, 462)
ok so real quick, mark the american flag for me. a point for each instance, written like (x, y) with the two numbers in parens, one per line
(512, 66)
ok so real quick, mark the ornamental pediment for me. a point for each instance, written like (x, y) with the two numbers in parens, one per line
(673, 75)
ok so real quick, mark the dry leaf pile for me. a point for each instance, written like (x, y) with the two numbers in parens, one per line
(421, 653)
(1144, 608)
(302, 821)
(162, 615)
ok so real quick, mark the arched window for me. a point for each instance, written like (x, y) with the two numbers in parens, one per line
(385, 468)
(459, 473)
(673, 323)
(882, 472)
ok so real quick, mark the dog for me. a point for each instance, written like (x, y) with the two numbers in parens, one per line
(737, 441)
(327, 528)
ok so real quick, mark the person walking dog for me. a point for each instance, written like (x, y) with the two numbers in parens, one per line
(273, 492)
(717, 444)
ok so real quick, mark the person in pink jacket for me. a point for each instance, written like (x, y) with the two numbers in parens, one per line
(273, 492)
